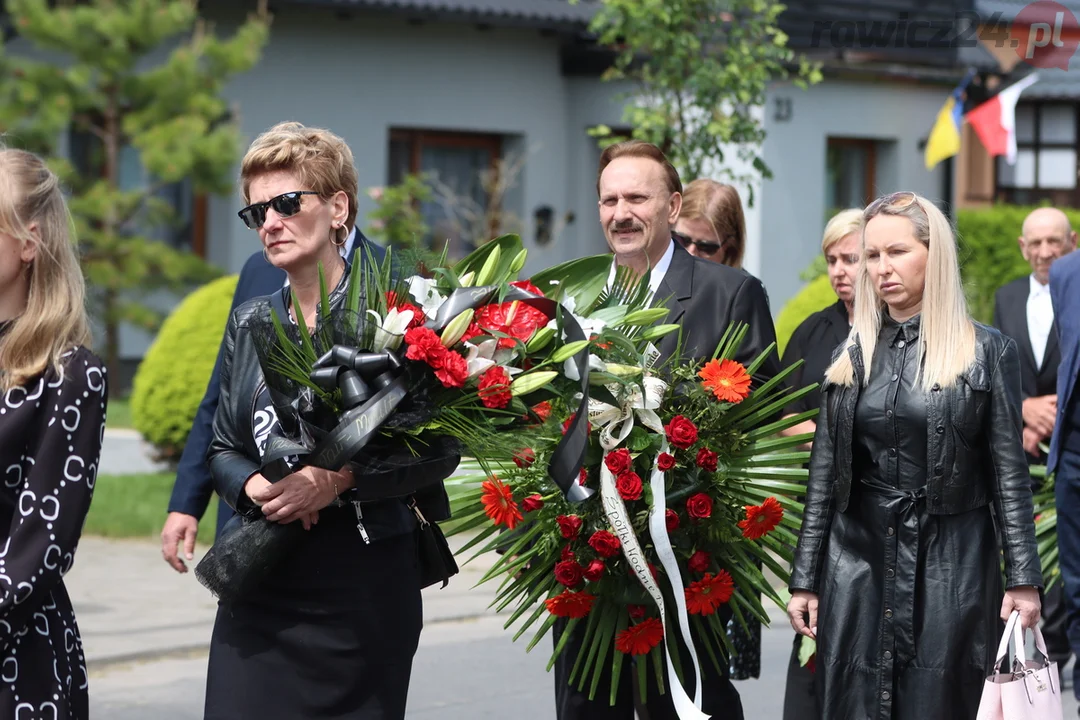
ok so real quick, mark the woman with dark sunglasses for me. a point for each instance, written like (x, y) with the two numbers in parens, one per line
(331, 631)
(711, 223)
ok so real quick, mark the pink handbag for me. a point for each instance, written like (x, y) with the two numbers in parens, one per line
(1030, 691)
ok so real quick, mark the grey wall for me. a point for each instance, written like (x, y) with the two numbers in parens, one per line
(897, 115)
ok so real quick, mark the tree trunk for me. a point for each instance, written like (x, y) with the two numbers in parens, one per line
(111, 140)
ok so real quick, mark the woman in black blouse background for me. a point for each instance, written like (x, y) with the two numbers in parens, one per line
(52, 415)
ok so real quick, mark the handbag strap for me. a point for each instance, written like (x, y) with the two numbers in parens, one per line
(1013, 629)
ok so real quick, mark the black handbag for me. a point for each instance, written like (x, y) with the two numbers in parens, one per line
(434, 557)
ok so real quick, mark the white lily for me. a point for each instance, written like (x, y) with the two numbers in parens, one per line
(589, 326)
(484, 355)
(595, 365)
(424, 292)
(391, 329)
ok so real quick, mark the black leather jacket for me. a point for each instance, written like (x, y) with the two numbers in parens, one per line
(234, 456)
(973, 450)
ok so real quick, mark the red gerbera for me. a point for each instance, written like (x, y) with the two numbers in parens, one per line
(710, 592)
(640, 639)
(761, 519)
(498, 501)
(570, 604)
(727, 379)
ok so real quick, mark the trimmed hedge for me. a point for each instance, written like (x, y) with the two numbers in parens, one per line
(172, 377)
(815, 295)
(989, 254)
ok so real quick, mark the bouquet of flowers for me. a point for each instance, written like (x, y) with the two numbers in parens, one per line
(411, 368)
(691, 493)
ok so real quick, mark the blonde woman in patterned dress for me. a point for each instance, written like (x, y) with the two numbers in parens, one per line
(51, 419)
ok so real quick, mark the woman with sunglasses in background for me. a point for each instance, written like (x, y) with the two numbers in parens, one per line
(917, 452)
(332, 630)
(711, 224)
(52, 416)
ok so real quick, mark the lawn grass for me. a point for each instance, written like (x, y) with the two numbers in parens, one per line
(134, 506)
(118, 413)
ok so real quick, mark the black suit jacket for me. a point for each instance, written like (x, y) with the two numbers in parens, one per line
(705, 298)
(194, 485)
(1010, 317)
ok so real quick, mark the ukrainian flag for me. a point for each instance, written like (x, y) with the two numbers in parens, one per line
(944, 141)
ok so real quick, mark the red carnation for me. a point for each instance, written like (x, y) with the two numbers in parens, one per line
(595, 571)
(604, 543)
(495, 387)
(681, 432)
(699, 561)
(568, 573)
(425, 346)
(569, 526)
(665, 461)
(403, 305)
(699, 506)
(570, 604)
(619, 461)
(629, 486)
(524, 458)
(671, 519)
(454, 370)
(532, 503)
(640, 639)
(761, 519)
(706, 459)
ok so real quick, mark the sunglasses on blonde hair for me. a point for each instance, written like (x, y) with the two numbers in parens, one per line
(285, 205)
(892, 201)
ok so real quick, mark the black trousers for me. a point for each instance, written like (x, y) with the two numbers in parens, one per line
(720, 699)
(800, 698)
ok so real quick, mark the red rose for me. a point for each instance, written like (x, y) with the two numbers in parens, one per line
(699, 561)
(495, 387)
(595, 571)
(568, 573)
(619, 461)
(604, 543)
(566, 554)
(665, 461)
(454, 370)
(566, 425)
(425, 346)
(681, 432)
(569, 526)
(706, 459)
(636, 611)
(671, 518)
(542, 411)
(699, 506)
(532, 503)
(583, 476)
(629, 486)
(524, 457)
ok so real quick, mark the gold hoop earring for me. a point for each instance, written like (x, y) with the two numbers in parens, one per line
(333, 236)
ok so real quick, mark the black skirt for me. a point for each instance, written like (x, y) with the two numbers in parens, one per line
(331, 634)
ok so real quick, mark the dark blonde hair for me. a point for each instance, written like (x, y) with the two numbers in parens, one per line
(721, 207)
(639, 149)
(321, 160)
(55, 319)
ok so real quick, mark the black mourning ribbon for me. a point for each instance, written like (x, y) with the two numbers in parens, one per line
(565, 465)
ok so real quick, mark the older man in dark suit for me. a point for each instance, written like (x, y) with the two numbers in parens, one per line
(194, 486)
(640, 198)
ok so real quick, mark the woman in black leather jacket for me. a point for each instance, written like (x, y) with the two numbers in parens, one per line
(917, 455)
(332, 630)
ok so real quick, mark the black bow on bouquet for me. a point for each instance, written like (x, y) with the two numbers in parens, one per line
(372, 386)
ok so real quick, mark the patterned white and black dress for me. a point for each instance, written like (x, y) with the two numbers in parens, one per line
(50, 442)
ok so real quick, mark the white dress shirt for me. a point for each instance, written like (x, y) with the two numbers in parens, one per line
(1040, 318)
(656, 276)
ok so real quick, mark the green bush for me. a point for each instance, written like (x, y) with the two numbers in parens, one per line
(172, 377)
(989, 254)
(815, 295)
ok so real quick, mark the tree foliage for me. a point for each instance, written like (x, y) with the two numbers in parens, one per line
(701, 69)
(123, 78)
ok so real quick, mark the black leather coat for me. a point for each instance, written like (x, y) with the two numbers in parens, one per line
(234, 456)
(974, 457)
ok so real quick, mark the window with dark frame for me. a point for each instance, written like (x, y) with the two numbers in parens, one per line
(457, 161)
(850, 167)
(1045, 168)
(188, 233)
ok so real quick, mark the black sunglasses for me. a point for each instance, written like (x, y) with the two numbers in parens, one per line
(704, 246)
(285, 205)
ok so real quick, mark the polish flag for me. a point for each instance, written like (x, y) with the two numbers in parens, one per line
(995, 120)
